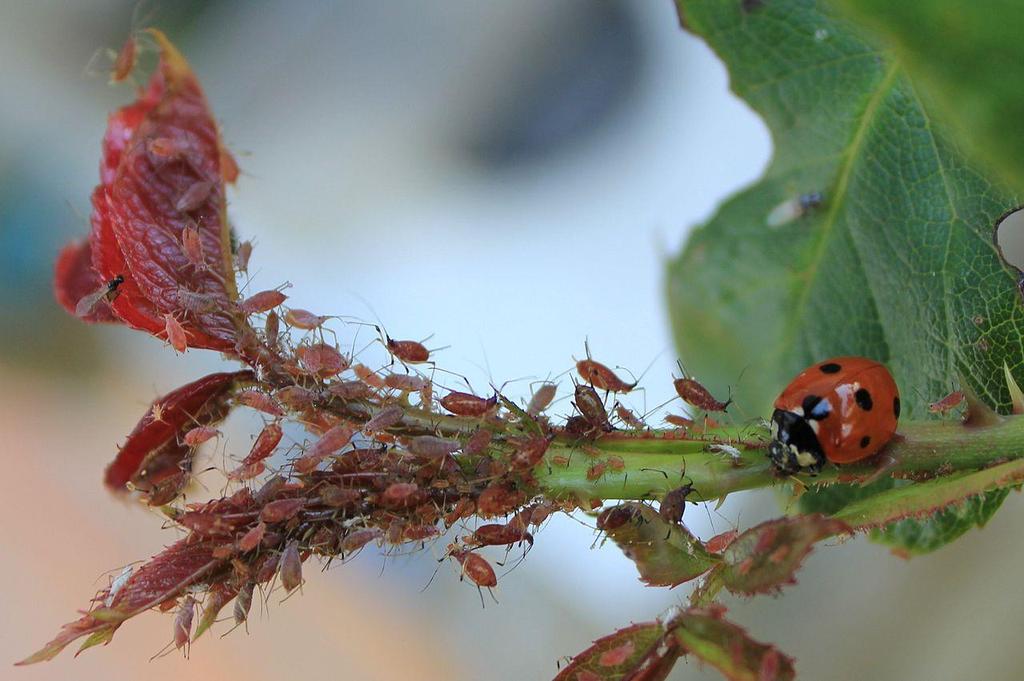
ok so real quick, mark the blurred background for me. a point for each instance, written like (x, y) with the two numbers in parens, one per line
(509, 177)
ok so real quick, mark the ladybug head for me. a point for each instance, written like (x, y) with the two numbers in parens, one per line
(794, 447)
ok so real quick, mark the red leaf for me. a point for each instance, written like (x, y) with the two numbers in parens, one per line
(156, 152)
(201, 402)
(164, 577)
(640, 652)
(706, 634)
(75, 279)
(766, 557)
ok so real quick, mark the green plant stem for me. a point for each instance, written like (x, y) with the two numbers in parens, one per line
(658, 461)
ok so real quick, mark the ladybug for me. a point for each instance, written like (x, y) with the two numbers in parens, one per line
(841, 410)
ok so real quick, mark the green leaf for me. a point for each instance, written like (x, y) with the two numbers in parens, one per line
(706, 634)
(913, 537)
(966, 55)
(830, 499)
(897, 263)
(764, 558)
(666, 554)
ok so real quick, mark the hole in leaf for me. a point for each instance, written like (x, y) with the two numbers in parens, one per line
(1009, 238)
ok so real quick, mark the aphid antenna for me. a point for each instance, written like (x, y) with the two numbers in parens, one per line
(654, 470)
(648, 412)
(637, 379)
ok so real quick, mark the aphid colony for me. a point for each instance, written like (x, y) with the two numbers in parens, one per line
(351, 452)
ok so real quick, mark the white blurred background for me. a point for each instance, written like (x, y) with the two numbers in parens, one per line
(509, 177)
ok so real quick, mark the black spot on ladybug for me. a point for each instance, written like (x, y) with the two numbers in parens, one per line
(865, 441)
(815, 408)
(863, 398)
(896, 406)
(830, 368)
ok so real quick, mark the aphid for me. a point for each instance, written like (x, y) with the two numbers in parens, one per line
(303, 319)
(464, 508)
(432, 447)
(419, 532)
(360, 538)
(264, 301)
(175, 333)
(405, 382)
(474, 567)
(280, 510)
(499, 499)
(494, 534)
(591, 407)
(117, 584)
(251, 539)
(615, 463)
(267, 569)
(163, 149)
(192, 247)
(616, 517)
(183, 622)
(477, 442)
(467, 404)
(719, 542)
(193, 197)
(673, 504)
(331, 441)
(290, 566)
(243, 602)
(349, 390)
(295, 397)
(269, 489)
(265, 444)
(260, 402)
(321, 360)
(733, 452)
(199, 435)
(407, 351)
(399, 494)
(124, 62)
(242, 254)
(541, 399)
(529, 451)
(596, 471)
(534, 514)
(427, 395)
(384, 419)
(576, 426)
(601, 377)
(368, 376)
(678, 421)
(841, 410)
(692, 392)
(628, 417)
(950, 401)
(108, 292)
(340, 497)
(197, 303)
(793, 209)
(272, 328)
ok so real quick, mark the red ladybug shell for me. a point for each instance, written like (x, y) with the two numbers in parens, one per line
(851, 403)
